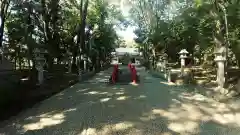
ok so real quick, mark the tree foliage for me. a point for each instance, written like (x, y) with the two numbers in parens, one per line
(53, 25)
(198, 26)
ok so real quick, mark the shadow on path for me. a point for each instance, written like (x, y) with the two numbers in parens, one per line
(154, 107)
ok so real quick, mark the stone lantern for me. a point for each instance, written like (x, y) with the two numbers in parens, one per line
(220, 59)
(40, 62)
(183, 55)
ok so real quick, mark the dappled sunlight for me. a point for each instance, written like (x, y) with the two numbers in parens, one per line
(108, 129)
(82, 90)
(104, 99)
(92, 92)
(123, 126)
(147, 117)
(163, 113)
(119, 93)
(181, 120)
(223, 118)
(191, 111)
(186, 126)
(141, 97)
(44, 121)
(123, 98)
(218, 112)
(103, 93)
(89, 131)
(167, 83)
(196, 97)
(70, 110)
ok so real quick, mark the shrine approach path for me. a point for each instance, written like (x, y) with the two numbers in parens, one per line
(154, 107)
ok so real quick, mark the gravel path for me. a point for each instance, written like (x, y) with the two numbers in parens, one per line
(154, 107)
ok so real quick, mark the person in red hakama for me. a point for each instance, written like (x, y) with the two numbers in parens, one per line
(117, 72)
(134, 74)
(114, 73)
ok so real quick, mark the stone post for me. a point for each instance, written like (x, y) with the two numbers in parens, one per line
(84, 58)
(169, 75)
(40, 62)
(161, 64)
(165, 64)
(85, 64)
(220, 61)
(183, 55)
(40, 75)
(69, 62)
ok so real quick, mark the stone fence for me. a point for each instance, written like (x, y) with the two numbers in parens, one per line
(168, 72)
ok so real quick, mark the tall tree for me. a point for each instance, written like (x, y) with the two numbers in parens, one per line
(4, 4)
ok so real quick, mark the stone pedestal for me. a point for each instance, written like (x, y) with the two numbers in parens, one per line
(220, 71)
(183, 55)
(85, 65)
(84, 58)
(160, 64)
(182, 65)
(40, 75)
(220, 59)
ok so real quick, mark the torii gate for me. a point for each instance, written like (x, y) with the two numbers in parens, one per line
(122, 52)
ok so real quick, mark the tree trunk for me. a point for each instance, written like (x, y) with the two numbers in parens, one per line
(1, 30)
(82, 46)
(3, 11)
(27, 37)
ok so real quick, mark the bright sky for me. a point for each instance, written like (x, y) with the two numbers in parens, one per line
(128, 33)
